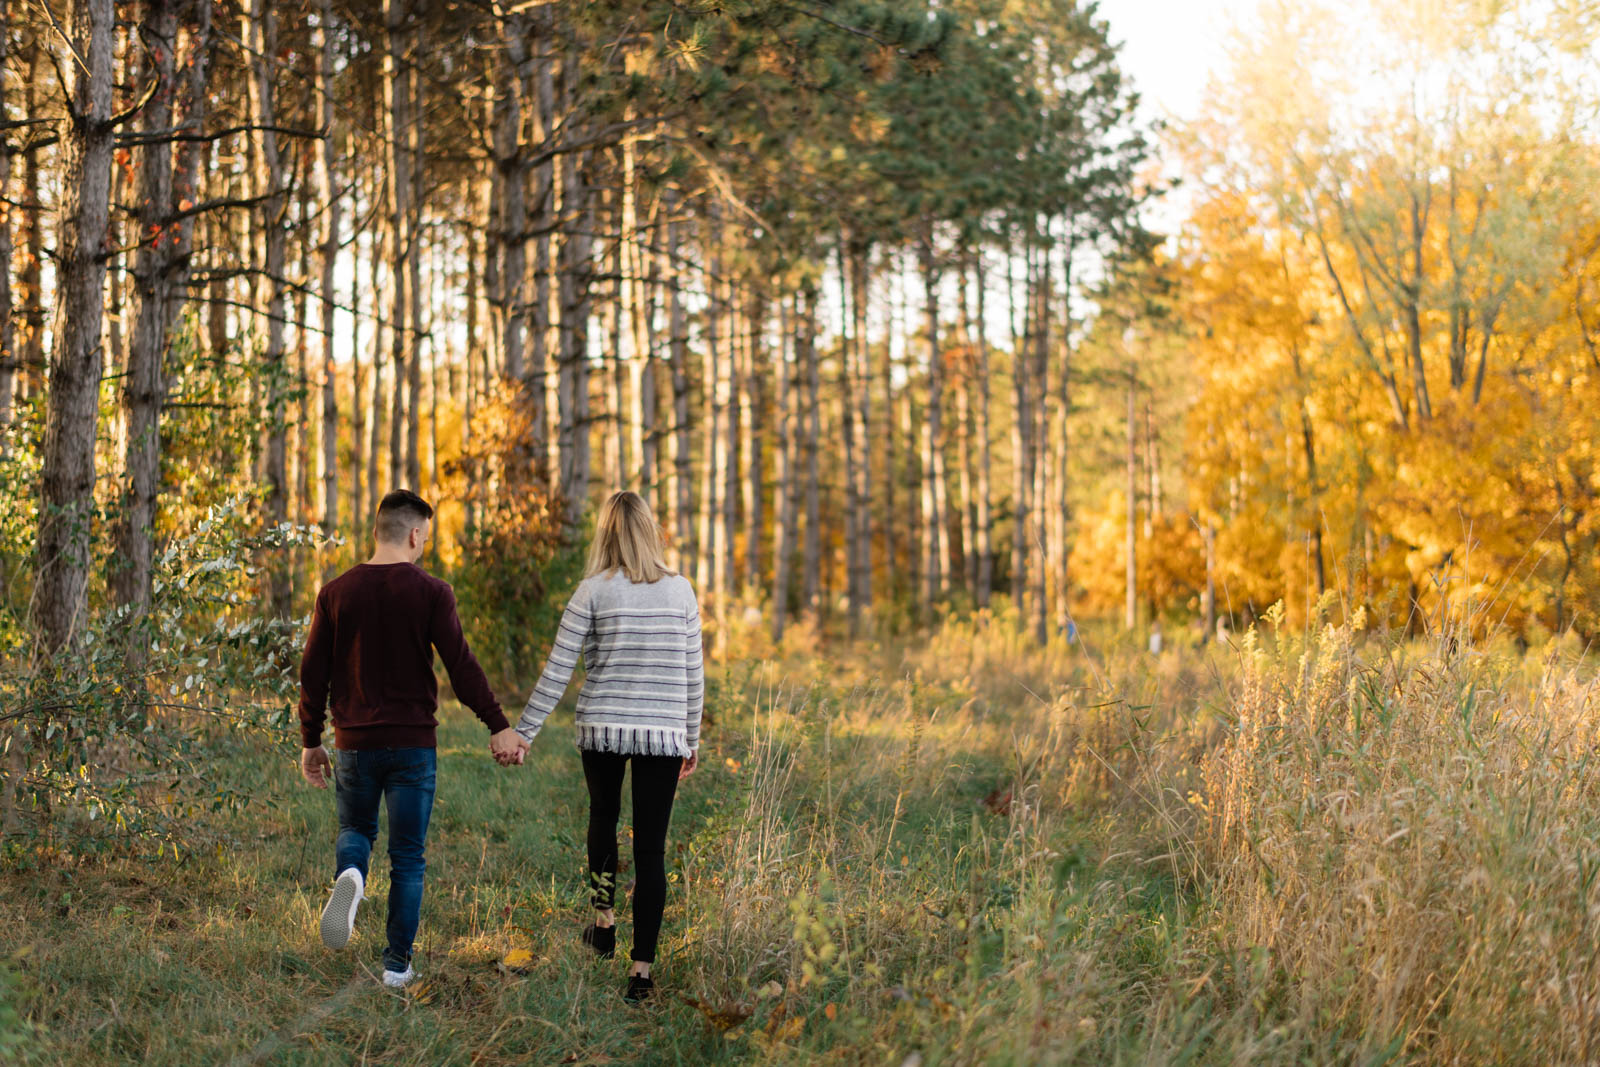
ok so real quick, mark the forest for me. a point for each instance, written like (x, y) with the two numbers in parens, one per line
(1076, 488)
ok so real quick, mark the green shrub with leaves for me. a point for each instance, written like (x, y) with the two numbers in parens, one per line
(114, 738)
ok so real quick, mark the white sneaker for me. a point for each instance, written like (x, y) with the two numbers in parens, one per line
(399, 979)
(339, 915)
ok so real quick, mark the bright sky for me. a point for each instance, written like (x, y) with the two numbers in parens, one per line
(1170, 47)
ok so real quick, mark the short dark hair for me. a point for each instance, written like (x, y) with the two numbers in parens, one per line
(398, 513)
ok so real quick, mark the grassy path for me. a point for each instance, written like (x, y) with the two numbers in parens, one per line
(849, 880)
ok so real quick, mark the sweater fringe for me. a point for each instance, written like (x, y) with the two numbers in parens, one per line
(633, 740)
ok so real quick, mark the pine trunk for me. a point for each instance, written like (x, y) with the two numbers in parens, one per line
(72, 410)
(270, 182)
(396, 66)
(784, 534)
(806, 351)
(576, 271)
(678, 353)
(933, 491)
(331, 197)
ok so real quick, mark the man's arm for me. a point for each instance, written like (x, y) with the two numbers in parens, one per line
(316, 672)
(466, 676)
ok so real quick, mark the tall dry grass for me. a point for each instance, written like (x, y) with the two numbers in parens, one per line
(1411, 837)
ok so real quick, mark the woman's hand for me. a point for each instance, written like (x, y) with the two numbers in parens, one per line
(689, 765)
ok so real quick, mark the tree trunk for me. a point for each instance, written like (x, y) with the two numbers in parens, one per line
(30, 346)
(806, 351)
(1049, 563)
(985, 522)
(396, 67)
(167, 182)
(414, 231)
(8, 353)
(933, 491)
(852, 458)
(967, 476)
(783, 535)
(576, 271)
(331, 197)
(270, 180)
(544, 391)
(711, 423)
(376, 407)
(1130, 617)
(1021, 442)
(72, 411)
(756, 418)
(305, 507)
(1061, 512)
(678, 353)
(635, 350)
(728, 399)
(510, 236)
(860, 391)
(611, 372)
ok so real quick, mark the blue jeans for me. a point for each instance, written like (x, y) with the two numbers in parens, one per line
(403, 779)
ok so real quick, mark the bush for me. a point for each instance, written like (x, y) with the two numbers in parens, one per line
(112, 737)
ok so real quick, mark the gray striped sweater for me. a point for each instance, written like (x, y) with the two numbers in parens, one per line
(644, 683)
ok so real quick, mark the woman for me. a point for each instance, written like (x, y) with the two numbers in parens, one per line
(636, 624)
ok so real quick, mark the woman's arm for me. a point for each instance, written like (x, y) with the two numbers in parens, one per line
(694, 664)
(564, 655)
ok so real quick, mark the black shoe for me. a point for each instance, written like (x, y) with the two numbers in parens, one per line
(603, 939)
(639, 988)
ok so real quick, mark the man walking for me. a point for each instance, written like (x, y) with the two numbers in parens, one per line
(370, 654)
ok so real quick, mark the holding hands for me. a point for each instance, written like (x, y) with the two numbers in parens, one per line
(508, 748)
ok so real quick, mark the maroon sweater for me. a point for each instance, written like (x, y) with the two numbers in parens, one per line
(370, 649)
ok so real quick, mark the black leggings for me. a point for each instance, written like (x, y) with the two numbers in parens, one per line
(655, 782)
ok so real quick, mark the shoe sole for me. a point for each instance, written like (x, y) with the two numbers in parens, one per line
(339, 916)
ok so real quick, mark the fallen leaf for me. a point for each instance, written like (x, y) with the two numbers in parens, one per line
(724, 1016)
(517, 961)
(831, 1011)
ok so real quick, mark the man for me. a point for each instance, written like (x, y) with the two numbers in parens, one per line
(373, 635)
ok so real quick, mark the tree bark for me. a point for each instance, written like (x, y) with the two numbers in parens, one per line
(72, 410)
(806, 351)
(8, 353)
(30, 346)
(577, 211)
(756, 418)
(678, 353)
(270, 179)
(1130, 617)
(401, 330)
(330, 195)
(933, 492)
(1021, 441)
(168, 181)
(414, 230)
(784, 534)
(860, 391)
(985, 520)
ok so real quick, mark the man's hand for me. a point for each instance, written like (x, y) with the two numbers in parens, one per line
(316, 766)
(689, 765)
(508, 747)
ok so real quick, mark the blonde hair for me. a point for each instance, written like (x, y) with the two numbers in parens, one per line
(628, 538)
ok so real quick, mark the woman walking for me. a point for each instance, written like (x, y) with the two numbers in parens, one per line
(636, 624)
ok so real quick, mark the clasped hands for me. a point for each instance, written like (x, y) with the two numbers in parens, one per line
(508, 747)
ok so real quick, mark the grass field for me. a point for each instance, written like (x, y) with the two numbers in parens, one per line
(1323, 849)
